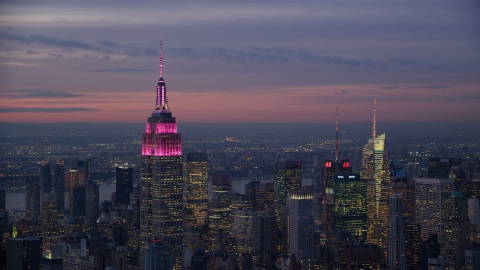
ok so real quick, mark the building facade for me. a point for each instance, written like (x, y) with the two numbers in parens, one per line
(124, 186)
(350, 209)
(375, 171)
(301, 226)
(197, 190)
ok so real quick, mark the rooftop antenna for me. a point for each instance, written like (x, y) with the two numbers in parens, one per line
(337, 153)
(161, 59)
(374, 131)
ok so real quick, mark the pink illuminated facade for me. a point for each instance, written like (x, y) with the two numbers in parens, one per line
(161, 178)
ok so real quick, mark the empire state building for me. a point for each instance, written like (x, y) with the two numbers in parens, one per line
(161, 179)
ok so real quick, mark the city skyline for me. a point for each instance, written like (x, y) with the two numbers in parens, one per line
(237, 62)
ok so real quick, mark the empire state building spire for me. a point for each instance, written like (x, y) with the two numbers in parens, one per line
(161, 59)
(162, 102)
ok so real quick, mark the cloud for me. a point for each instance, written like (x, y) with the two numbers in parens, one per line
(55, 55)
(436, 87)
(27, 93)
(409, 63)
(44, 110)
(389, 87)
(247, 55)
(344, 91)
(102, 46)
(46, 40)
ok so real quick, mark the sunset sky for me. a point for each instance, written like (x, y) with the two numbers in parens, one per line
(240, 61)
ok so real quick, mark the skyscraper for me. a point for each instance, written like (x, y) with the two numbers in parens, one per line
(350, 210)
(430, 205)
(49, 228)
(301, 222)
(32, 201)
(124, 186)
(330, 169)
(46, 175)
(265, 236)
(76, 180)
(375, 171)
(59, 187)
(197, 191)
(456, 229)
(161, 177)
(413, 240)
(440, 167)
(24, 253)
(219, 211)
(287, 177)
(92, 201)
(396, 238)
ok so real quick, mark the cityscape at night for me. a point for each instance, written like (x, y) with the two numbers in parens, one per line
(292, 136)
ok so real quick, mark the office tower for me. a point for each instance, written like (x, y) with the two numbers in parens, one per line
(46, 176)
(124, 186)
(219, 211)
(76, 180)
(413, 241)
(86, 167)
(330, 169)
(32, 201)
(263, 197)
(49, 228)
(265, 236)
(287, 177)
(396, 238)
(430, 198)
(301, 223)
(350, 210)
(2, 199)
(92, 204)
(378, 189)
(459, 178)
(242, 230)
(59, 187)
(284, 231)
(197, 190)
(474, 218)
(374, 171)
(440, 167)
(156, 256)
(161, 178)
(456, 229)
(24, 253)
(401, 185)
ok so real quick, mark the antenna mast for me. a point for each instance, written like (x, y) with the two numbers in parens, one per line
(337, 153)
(374, 132)
(161, 59)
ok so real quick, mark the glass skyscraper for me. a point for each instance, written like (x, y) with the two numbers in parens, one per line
(350, 211)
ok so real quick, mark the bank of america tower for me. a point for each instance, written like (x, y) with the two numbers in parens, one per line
(161, 180)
